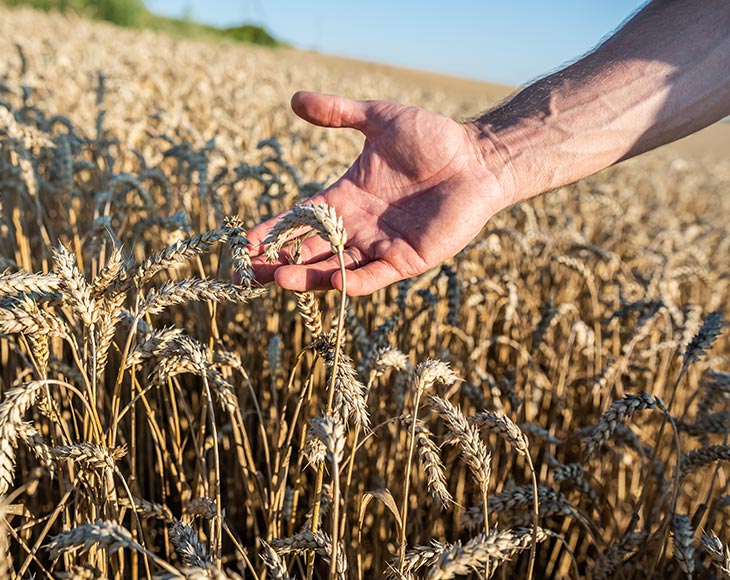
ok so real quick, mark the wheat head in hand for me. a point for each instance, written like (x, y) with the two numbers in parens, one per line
(419, 192)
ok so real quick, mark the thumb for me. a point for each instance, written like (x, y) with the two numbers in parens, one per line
(330, 110)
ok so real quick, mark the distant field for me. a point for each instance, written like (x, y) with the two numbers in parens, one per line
(569, 368)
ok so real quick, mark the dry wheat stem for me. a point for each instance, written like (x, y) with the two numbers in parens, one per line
(121, 152)
(426, 375)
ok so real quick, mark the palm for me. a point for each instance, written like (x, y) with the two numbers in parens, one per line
(415, 196)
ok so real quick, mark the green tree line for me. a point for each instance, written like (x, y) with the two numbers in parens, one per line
(134, 13)
(122, 12)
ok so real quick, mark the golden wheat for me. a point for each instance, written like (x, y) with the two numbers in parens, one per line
(158, 420)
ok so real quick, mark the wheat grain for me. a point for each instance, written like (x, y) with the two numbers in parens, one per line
(15, 283)
(331, 433)
(154, 344)
(240, 250)
(502, 426)
(495, 548)
(188, 546)
(719, 553)
(416, 558)
(14, 406)
(349, 395)
(619, 412)
(274, 563)
(29, 435)
(89, 456)
(183, 291)
(148, 509)
(108, 535)
(201, 506)
(475, 453)
(683, 539)
(74, 286)
(106, 327)
(701, 342)
(321, 218)
(613, 558)
(173, 255)
(430, 458)
(309, 310)
(702, 457)
(22, 316)
(391, 358)
(318, 542)
(430, 372)
(518, 499)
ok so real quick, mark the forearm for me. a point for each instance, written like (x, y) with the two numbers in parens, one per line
(662, 76)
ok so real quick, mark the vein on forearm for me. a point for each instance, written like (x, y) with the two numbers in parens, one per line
(665, 74)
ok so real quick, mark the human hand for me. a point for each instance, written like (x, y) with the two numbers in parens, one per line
(419, 192)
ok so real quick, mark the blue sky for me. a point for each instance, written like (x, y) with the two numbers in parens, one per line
(494, 40)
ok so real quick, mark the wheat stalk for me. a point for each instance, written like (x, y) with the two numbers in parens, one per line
(613, 558)
(702, 457)
(147, 509)
(719, 553)
(495, 548)
(683, 539)
(275, 565)
(475, 453)
(16, 283)
(315, 541)
(618, 413)
(16, 403)
(89, 456)
(188, 546)
(190, 290)
(321, 218)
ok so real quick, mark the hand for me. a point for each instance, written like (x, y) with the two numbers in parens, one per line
(419, 192)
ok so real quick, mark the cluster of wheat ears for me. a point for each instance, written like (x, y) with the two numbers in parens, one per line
(553, 403)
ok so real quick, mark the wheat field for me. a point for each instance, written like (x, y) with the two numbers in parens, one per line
(554, 402)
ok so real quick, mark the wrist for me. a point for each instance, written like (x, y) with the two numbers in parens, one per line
(503, 154)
